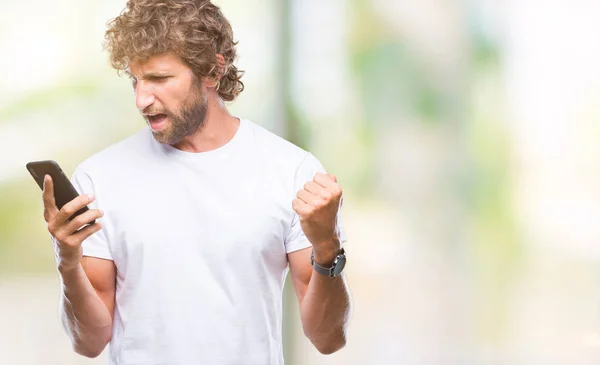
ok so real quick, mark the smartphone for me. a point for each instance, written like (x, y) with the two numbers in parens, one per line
(64, 191)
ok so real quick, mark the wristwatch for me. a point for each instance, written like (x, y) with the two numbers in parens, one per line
(336, 268)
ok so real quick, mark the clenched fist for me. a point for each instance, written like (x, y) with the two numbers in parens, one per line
(317, 205)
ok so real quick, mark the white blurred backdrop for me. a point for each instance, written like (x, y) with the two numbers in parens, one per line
(465, 134)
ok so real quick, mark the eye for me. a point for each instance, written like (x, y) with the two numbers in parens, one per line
(158, 78)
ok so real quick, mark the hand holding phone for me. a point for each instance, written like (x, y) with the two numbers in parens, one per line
(69, 219)
(64, 191)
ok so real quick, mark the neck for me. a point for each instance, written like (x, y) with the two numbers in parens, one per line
(218, 128)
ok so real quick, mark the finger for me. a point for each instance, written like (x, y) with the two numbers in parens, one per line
(326, 182)
(83, 234)
(332, 177)
(323, 180)
(307, 197)
(83, 219)
(300, 207)
(316, 189)
(71, 207)
(48, 197)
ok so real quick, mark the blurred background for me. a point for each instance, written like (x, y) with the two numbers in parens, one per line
(465, 134)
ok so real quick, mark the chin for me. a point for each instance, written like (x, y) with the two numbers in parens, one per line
(162, 137)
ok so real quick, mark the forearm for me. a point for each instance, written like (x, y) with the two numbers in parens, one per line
(84, 316)
(324, 311)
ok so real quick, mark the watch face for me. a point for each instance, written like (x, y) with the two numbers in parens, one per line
(339, 265)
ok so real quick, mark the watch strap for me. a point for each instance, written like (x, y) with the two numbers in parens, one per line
(326, 271)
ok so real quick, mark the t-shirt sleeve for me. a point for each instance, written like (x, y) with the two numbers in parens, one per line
(97, 244)
(296, 240)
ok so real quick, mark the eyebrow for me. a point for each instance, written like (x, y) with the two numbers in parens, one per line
(148, 75)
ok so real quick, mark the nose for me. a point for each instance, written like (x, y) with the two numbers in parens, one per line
(144, 96)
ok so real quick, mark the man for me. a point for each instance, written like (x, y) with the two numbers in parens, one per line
(200, 214)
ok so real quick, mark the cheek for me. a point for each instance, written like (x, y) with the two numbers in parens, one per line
(175, 95)
(168, 100)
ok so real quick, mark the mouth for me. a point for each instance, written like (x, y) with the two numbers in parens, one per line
(156, 121)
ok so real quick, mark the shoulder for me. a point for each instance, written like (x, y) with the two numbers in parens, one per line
(290, 160)
(114, 158)
(276, 147)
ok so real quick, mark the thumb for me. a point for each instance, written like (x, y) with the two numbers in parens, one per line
(50, 208)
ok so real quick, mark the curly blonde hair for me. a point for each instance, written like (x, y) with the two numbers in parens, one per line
(195, 30)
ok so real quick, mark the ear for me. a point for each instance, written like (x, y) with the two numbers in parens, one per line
(214, 82)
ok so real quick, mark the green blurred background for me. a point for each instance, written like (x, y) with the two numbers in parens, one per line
(465, 135)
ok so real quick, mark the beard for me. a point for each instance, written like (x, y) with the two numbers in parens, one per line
(185, 123)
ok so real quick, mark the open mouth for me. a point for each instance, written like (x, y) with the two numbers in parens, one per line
(156, 120)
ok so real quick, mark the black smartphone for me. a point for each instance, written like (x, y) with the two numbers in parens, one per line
(64, 191)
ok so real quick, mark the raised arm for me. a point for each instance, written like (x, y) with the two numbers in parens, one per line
(324, 301)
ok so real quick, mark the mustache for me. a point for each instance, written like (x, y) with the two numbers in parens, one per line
(155, 111)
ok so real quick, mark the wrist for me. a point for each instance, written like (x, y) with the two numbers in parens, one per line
(68, 259)
(65, 268)
(325, 254)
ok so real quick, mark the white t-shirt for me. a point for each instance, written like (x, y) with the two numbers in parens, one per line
(199, 241)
